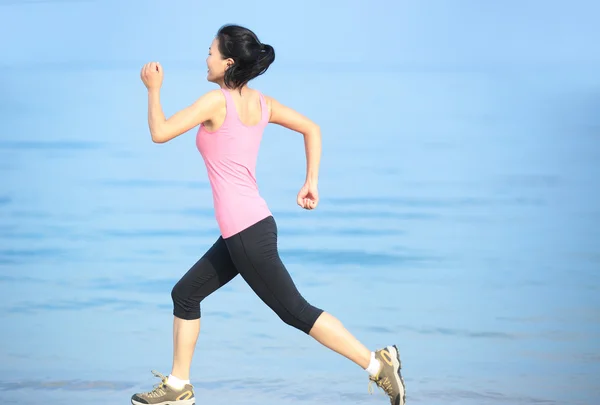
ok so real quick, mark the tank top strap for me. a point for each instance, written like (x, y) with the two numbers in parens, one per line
(264, 109)
(232, 110)
(228, 99)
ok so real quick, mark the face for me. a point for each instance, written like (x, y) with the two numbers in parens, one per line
(216, 64)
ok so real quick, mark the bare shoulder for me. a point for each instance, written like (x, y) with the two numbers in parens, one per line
(212, 97)
(270, 101)
(210, 104)
(286, 116)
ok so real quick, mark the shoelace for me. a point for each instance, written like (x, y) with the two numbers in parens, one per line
(384, 383)
(159, 389)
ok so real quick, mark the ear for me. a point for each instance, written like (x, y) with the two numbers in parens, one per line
(228, 63)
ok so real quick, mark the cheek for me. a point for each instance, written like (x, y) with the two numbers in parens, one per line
(212, 64)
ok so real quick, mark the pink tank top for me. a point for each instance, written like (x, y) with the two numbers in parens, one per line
(230, 155)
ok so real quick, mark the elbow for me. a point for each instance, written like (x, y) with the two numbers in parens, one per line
(157, 138)
(314, 130)
(158, 132)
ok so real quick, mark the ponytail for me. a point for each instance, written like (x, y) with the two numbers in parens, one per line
(251, 58)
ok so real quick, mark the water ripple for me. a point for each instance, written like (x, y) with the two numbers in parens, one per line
(31, 253)
(349, 257)
(149, 183)
(26, 280)
(49, 145)
(159, 233)
(69, 385)
(145, 286)
(30, 214)
(461, 202)
(331, 231)
(74, 305)
(465, 333)
(338, 214)
(363, 214)
(456, 395)
(412, 202)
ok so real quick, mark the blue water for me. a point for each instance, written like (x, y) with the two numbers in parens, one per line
(459, 219)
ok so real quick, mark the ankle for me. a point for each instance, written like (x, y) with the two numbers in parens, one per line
(182, 373)
(374, 366)
(176, 382)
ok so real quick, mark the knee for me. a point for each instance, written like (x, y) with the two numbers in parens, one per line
(301, 315)
(184, 306)
(177, 293)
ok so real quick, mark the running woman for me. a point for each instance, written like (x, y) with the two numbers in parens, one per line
(231, 122)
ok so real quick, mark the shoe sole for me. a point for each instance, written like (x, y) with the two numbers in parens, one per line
(180, 402)
(398, 365)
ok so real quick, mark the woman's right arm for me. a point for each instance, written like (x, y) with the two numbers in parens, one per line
(163, 130)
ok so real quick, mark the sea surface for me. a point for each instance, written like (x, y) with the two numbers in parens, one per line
(459, 219)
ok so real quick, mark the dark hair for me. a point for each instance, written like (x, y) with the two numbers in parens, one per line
(251, 58)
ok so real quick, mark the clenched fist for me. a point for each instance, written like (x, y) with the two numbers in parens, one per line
(152, 75)
(308, 197)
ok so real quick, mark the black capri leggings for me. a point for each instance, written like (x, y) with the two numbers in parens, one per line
(253, 254)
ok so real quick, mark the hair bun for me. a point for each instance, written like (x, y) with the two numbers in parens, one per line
(251, 58)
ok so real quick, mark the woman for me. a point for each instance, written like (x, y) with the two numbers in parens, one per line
(231, 122)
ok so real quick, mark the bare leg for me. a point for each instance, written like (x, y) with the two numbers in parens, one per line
(330, 332)
(211, 272)
(185, 336)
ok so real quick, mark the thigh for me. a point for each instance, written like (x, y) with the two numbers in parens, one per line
(212, 271)
(254, 252)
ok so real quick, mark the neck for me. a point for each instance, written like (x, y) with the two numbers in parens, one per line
(241, 90)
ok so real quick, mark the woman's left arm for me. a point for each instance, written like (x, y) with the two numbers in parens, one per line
(308, 197)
